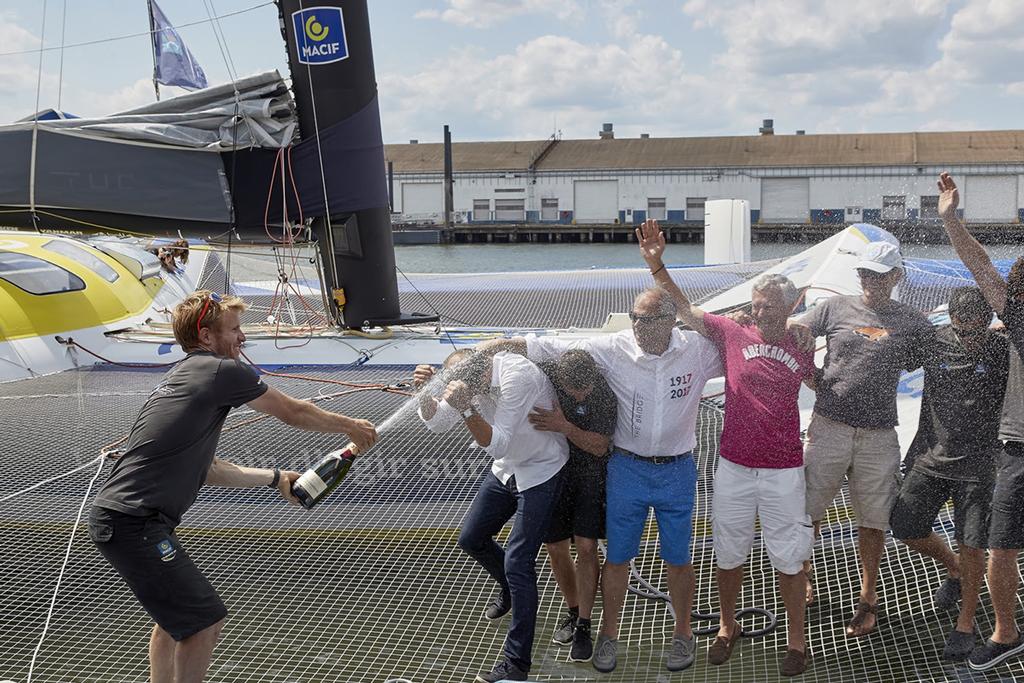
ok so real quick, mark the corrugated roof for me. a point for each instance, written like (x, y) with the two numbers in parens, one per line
(466, 156)
(860, 149)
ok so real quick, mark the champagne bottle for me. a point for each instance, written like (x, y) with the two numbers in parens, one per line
(323, 477)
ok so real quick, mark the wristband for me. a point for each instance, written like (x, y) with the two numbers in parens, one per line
(277, 478)
(655, 272)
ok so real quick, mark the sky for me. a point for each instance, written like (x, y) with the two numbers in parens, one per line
(527, 69)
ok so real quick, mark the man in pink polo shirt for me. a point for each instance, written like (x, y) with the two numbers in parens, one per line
(760, 472)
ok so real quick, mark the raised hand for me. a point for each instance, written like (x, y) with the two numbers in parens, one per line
(422, 375)
(949, 196)
(651, 240)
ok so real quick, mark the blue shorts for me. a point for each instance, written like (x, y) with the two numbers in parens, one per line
(634, 487)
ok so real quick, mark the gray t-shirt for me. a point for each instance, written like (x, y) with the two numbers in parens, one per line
(1012, 426)
(867, 351)
(958, 433)
(174, 439)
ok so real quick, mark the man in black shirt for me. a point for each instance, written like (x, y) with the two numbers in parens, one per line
(586, 415)
(169, 455)
(1006, 532)
(954, 453)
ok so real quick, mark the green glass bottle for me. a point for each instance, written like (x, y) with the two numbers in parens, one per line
(323, 477)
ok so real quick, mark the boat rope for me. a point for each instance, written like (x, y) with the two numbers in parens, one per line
(60, 71)
(130, 35)
(35, 129)
(63, 568)
(51, 480)
(70, 342)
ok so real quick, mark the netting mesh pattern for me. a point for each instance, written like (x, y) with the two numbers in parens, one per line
(370, 586)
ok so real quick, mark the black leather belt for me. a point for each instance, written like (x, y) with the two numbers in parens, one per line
(656, 459)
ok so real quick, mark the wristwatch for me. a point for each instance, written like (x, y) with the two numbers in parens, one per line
(277, 478)
(468, 413)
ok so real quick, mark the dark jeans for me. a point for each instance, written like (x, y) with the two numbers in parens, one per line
(515, 569)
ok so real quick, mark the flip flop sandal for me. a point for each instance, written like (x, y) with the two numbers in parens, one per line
(860, 615)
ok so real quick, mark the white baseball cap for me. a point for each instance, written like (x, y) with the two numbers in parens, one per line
(881, 257)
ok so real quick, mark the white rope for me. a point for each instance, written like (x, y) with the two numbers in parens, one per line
(52, 479)
(63, 568)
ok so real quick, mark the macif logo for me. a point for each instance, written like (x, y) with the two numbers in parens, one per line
(320, 35)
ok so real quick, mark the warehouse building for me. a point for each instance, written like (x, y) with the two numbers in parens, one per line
(788, 180)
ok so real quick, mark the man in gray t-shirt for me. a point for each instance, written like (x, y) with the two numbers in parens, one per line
(170, 454)
(871, 340)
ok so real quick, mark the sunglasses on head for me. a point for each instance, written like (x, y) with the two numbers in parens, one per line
(638, 318)
(213, 296)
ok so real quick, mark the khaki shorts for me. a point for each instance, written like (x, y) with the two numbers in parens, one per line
(868, 458)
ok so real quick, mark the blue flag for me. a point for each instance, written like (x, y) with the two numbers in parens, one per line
(174, 64)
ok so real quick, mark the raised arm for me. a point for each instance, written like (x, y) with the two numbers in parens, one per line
(967, 248)
(652, 246)
(512, 345)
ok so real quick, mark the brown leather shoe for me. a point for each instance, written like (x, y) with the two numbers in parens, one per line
(795, 663)
(721, 649)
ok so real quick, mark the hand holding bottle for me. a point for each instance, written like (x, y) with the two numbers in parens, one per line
(284, 485)
(363, 434)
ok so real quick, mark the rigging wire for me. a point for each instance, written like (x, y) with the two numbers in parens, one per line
(60, 74)
(35, 129)
(129, 35)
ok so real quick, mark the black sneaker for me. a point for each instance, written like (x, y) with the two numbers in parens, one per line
(566, 628)
(947, 595)
(582, 644)
(959, 646)
(499, 606)
(505, 671)
(992, 654)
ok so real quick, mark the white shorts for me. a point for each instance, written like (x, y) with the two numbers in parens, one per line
(777, 498)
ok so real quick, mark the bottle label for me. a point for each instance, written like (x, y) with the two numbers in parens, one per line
(312, 484)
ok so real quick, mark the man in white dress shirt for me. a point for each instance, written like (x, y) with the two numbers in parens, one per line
(493, 396)
(657, 373)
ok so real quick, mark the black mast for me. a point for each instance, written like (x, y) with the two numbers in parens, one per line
(331, 62)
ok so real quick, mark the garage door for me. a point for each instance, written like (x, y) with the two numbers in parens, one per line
(990, 198)
(785, 200)
(422, 199)
(596, 201)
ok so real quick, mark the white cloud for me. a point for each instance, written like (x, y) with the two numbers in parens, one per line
(487, 13)
(808, 36)
(984, 43)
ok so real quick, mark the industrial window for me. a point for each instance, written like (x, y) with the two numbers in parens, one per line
(549, 209)
(509, 209)
(695, 208)
(36, 276)
(656, 208)
(930, 206)
(481, 209)
(894, 207)
(80, 255)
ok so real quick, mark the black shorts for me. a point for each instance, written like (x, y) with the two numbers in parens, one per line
(150, 559)
(580, 508)
(923, 495)
(1007, 530)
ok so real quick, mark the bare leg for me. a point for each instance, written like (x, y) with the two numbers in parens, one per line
(792, 588)
(192, 656)
(588, 569)
(161, 656)
(614, 581)
(809, 568)
(934, 547)
(562, 567)
(870, 543)
(972, 570)
(730, 581)
(1002, 584)
(681, 582)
